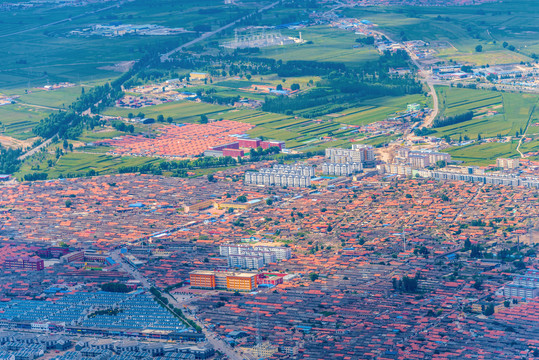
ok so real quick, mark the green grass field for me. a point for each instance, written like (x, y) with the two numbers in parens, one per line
(510, 112)
(464, 27)
(183, 111)
(60, 98)
(484, 154)
(377, 109)
(18, 121)
(80, 163)
(32, 55)
(323, 44)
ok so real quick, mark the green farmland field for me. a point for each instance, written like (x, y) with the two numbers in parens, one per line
(463, 27)
(81, 163)
(18, 121)
(509, 112)
(179, 111)
(323, 44)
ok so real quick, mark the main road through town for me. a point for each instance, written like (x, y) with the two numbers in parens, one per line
(212, 338)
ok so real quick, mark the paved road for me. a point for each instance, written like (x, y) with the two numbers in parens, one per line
(204, 36)
(426, 78)
(44, 144)
(212, 338)
(218, 344)
(115, 255)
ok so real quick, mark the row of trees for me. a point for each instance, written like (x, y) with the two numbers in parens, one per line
(451, 120)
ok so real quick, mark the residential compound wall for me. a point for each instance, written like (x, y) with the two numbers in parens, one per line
(359, 153)
(225, 280)
(526, 286)
(281, 175)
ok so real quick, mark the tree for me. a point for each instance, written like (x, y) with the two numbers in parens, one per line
(294, 87)
(479, 48)
(68, 203)
(170, 120)
(313, 276)
(279, 87)
(203, 119)
(211, 178)
(241, 199)
(160, 118)
(115, 287)
(505, 44)
(269, 202)
(489, 310)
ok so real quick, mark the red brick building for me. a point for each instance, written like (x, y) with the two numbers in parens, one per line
(24, 263)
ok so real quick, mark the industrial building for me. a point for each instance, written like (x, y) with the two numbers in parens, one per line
(225, 280)
(359, 153)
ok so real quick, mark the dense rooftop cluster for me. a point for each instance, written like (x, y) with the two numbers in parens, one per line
(383, 267)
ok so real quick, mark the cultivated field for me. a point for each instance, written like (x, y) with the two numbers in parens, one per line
(323, 44)
(17, 121)
(464, 27)
(495, 113)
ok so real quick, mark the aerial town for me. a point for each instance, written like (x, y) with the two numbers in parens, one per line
(244, 180)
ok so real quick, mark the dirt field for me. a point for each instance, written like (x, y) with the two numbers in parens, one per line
(13, 143)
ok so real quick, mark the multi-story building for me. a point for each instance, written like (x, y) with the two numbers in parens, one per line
(281, 252)
(526, 285)
(507, 164)
(420, 158)
(72, 257)
(359, 153)
(24, 263)
(281, 175)
(246, 261)
(202, 279)
(341, 169)
(223, 280)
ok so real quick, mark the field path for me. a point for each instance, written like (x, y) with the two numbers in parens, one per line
(526, 129)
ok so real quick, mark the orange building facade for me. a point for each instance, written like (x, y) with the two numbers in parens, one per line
(201, 279)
